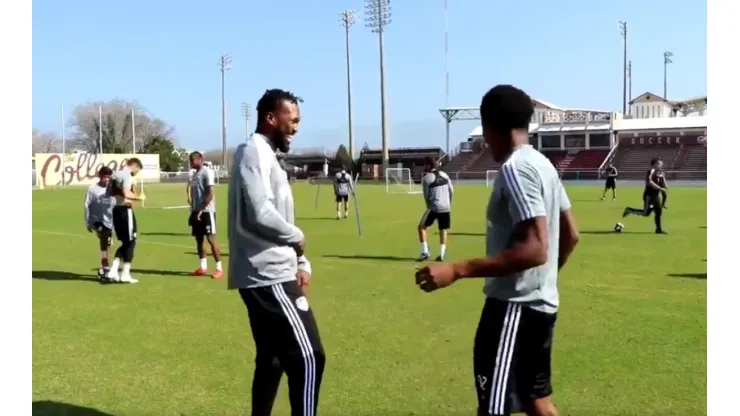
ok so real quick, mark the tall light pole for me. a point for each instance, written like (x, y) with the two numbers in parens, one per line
(666, 60)
(377, 17)
(629, 83)
(347, 19)
(246, 109)
(623, 32)
(225, 65)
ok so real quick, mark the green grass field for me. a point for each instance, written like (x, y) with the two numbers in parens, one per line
(630, 339)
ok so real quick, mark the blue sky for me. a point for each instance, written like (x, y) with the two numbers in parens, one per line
(165, 55)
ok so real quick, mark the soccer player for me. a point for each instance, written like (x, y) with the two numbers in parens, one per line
(664, 185)
(651, 197)
(99, 213)
(437, 190)
(191, 172)
(342, 187)
(124, 220)
(203, 215)
(611, 181)
(267, 264)
(529, 236)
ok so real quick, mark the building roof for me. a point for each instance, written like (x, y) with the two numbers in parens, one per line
(478, 131)
(698, 122)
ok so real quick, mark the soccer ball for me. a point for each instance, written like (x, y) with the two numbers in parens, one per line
(103, 273)
(618, 227)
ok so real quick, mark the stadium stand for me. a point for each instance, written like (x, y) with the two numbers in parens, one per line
(404, 157)
(694, 166)
(588, 159)
(631, 161)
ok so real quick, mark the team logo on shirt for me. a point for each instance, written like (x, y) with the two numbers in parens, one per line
(302, 303)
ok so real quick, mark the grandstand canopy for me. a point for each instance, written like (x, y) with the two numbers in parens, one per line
(673, 123)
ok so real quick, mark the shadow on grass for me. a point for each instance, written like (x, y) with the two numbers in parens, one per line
(605, 232)
(316, 219)
(365, 257)
(158, 272)
(60, 275)
(167, 234)
(466, 234)
(689, 275)
(209, 254)
(703, 227)
(49, 408)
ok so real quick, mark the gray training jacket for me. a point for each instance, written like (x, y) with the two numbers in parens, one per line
(261, 229)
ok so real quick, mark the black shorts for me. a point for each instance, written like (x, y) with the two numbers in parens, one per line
(442, 219)
(652, 203)
(102, 231)
(511, 357)
(204, 226)
(342, 198)
(124, 223)
(611, 183)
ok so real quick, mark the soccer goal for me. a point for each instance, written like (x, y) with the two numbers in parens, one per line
(166, 192)
(399, 181)
(490, 177)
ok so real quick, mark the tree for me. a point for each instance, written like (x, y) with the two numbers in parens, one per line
(169, 160)
(116, 126)
(45, 142)
(343, 158)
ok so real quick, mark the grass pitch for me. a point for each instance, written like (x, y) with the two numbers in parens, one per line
(630, 338)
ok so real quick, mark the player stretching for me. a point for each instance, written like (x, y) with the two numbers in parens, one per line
(611, 181)
(651, 197)
(203, 215)
(438, 192)
(342, 188)
(99, 213)
(267, 265)
(124, 220)
(530, 234)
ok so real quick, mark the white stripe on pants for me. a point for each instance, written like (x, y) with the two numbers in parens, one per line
(130, 223)
(506, 343)
(309, 361)
(212, 218)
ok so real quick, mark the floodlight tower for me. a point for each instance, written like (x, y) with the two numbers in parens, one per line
(246, 110)
(666, 60)
(225, 65)
(347, 19)
(623, 32)
(377, 18)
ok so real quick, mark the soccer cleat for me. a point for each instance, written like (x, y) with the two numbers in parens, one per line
(423, 257)
(218, 274)
(199, 272)
(602, 198)
(661, 232)
(127, 279)
(626, 212)
(439, 258)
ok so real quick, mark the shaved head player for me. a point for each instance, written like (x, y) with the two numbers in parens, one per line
(202, 219)
(529, 236)
(267, 264)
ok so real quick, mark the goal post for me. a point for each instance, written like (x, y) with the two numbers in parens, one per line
(166, 192)
(399, 181)
(490, 178)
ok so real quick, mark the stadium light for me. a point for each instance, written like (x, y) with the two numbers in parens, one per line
(246, 110)
(347, 19)
(377, 17)
(225, 64)
(623, 32)
(666, 60)
(629, 83)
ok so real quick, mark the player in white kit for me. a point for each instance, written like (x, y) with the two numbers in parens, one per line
(98, 210)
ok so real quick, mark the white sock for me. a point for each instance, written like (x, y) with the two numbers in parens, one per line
(338, 214)
(424, 247)
(346, 213)
(114, 266)
(442, 249)
(126, 269)
(204, 263)
(218, 265)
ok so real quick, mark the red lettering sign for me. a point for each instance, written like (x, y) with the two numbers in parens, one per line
(667, 140)
(81, 167)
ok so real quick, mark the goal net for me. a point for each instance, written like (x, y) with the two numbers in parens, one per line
(490, 177)
(399, 181)
(169, 191)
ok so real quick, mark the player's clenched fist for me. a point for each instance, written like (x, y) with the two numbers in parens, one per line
(435, 276)
(304, 280)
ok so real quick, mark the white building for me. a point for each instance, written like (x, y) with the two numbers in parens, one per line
(649, 105)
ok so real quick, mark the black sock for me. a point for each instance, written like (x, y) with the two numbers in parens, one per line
(658, 221)
(267, 374)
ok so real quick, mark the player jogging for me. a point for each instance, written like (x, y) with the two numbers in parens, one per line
(99, 213)
(124, 220)
(202, 219)
(267, 265)
(437, 191)
(664, 185)
(342, 187)
(611, 181)
(530, 234)
(651, 197)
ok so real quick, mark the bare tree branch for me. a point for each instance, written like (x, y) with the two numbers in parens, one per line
(45, 142)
